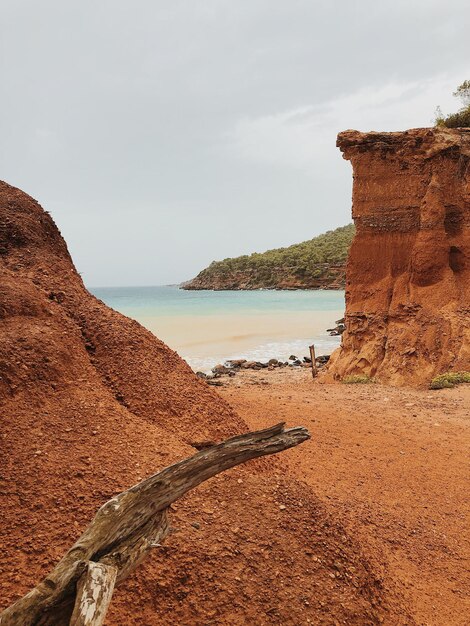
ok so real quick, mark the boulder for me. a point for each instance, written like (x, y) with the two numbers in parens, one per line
(235, 363)
(251, 365)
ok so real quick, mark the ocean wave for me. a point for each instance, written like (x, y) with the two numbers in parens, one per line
(282, 350)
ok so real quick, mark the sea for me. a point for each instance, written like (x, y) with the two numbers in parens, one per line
(210, 327)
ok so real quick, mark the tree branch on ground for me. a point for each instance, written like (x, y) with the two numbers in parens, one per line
(126, 528)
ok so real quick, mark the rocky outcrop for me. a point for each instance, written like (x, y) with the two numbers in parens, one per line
(328, 277)
(408, 273)
(90, 404)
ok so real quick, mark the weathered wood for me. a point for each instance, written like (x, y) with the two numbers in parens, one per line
(314, 360)
(126, 527)
(129, 554)
(94, 592)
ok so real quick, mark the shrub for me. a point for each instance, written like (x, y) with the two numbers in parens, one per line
(461, 119)
(357, 379)
(449, 380)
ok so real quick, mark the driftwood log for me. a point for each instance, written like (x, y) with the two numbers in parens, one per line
(79, 589)
(94, 592)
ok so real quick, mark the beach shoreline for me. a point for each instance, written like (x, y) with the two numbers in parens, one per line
(205, 341)
(207, 328)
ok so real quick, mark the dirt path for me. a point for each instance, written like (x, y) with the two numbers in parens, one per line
(394, 464)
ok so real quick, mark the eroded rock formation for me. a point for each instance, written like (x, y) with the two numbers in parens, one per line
(408, 273)
(91, 403)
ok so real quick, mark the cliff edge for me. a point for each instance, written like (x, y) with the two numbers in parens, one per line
(408, 272)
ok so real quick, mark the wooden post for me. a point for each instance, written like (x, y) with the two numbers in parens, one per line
(94, 592)
(314, 362)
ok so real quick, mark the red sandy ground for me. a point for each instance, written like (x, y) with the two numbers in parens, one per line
(393, 465)
(364, 525)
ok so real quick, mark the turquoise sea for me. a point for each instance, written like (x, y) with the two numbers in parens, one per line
(207, 327)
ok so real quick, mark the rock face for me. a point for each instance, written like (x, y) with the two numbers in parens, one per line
(408, 273)
(91, 403)
(329, 277)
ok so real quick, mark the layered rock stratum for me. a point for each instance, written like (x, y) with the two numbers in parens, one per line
(408, 272)
(91, 403)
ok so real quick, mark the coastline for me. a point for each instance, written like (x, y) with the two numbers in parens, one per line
(207, 328)
(186, 286)
(207, 340)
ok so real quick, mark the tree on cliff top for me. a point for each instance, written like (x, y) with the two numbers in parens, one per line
(463, 92)
(461, 119)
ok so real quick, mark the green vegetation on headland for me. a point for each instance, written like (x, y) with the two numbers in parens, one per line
(461, 119)
(319, 263)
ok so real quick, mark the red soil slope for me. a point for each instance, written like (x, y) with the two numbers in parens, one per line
(408, 273)
(91, 402)
(393, 464)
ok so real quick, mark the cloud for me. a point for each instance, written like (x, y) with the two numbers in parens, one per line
(212, 122)
(304, 137)
(45, 143)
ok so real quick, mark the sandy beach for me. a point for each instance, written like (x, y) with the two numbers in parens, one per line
(204, 340)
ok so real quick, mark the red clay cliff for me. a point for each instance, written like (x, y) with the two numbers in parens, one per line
(408, 273)
(90, 403)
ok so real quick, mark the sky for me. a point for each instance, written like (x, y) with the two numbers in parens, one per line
(164, 134)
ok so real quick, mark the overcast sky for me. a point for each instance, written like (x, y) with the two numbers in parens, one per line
(164, 134)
